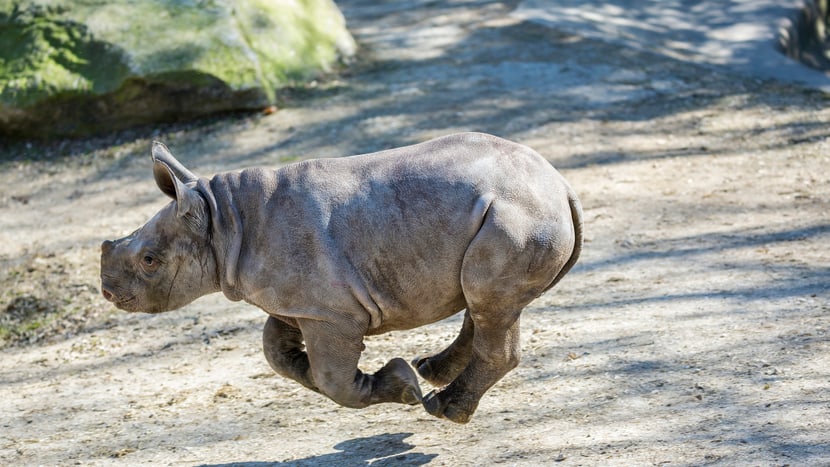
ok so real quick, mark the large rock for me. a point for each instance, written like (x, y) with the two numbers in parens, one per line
(806, 35)
(77, 67)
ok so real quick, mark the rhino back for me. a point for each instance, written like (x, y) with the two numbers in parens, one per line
(382, 235)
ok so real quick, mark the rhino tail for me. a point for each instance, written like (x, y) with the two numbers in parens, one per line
(576, 217)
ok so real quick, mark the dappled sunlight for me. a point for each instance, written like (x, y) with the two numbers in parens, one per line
(736, 36)
(693, 329)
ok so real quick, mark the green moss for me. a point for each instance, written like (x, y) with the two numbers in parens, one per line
(307, 41)
(41, 57)
(244, 42)
(232, 54)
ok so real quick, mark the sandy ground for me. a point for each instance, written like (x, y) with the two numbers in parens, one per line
(694, 331)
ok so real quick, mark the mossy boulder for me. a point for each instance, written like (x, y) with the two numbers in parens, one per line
(76, 67)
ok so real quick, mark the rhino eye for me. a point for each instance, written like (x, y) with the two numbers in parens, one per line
(149, 263)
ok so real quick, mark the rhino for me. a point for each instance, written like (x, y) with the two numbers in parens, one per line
(341, 248)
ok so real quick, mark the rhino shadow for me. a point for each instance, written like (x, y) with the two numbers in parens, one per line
(388, 449)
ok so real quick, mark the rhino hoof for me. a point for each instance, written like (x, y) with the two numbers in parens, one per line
(450, 410)
(424, 369)
(411, 396)
(399, 378)
(433, 404)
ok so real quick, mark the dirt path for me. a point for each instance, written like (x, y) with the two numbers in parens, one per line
(693, 331)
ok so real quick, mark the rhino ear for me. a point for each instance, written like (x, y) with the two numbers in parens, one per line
(162, 154)
(165, 179)
(190, 206)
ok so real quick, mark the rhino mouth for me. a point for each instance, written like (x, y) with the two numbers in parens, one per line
(120, 300)
(123, 303)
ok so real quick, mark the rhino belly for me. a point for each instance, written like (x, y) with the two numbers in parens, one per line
(408, 258)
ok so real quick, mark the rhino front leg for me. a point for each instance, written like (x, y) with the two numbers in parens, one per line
(333, 354)
(283, 347)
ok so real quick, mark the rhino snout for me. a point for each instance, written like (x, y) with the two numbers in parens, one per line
(106, 247)
(107, 294)
(108, 289)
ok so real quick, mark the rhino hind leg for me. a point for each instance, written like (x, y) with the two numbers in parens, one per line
(495, 352)
(511, 260)
(283, 348)
(442, 368)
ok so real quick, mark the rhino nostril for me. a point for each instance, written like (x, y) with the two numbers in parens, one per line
(107, 294)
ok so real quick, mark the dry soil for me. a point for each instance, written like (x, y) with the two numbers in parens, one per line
(694, 330)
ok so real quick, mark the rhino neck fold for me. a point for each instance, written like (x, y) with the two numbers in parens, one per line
(225, 232)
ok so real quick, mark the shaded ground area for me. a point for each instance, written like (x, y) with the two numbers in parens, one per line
(694, 330)
(742, 37)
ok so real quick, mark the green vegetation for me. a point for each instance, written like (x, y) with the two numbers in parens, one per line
(103, 65)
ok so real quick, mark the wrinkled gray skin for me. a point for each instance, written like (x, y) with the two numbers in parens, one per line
(337, 249)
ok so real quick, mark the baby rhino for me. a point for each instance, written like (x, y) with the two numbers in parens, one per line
(337, 249)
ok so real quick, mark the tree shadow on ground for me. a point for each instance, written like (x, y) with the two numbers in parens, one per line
(503, 78)
(388, 449)
(729, 395)
(787, 280)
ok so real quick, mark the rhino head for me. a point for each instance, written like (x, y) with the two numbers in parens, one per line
(168, 262)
